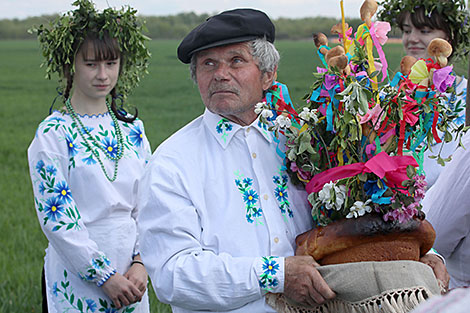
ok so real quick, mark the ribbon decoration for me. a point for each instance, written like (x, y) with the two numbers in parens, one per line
(392, 168)
(363, 35)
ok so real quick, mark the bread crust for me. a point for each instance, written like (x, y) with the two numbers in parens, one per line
(368, 238)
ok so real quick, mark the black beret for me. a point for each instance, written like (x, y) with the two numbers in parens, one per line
(228, 27)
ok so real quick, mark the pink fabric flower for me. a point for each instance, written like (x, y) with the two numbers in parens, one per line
(443, 79)
(372, 115)
(381, 29)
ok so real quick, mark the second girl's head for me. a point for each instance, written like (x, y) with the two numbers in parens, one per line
(418, 29)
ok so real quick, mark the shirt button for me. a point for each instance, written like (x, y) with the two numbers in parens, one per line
(253, 155)
(276, 240)
(265, 197)
(248, 129)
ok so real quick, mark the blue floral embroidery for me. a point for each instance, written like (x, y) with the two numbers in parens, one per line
(73, 148)
(280, 192)
(39, 166)
(91, 304)
(224, 126)
(53, 208)
(136, 136)
(97, 264)
(58, 205)
(82, 304)
(250, 197)
(110, 145)
(89, 160)
(267, 279)
(63, 191)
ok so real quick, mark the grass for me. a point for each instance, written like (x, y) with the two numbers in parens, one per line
(167, 100)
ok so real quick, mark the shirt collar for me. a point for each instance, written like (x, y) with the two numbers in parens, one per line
(224, 130)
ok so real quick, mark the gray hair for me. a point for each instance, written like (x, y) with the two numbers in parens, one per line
(264, 52)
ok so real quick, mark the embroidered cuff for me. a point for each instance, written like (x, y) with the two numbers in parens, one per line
(270, 274)
(433, 251)
(105, 278)
(98, 270)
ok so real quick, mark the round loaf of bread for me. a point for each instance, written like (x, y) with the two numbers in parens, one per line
(368, 238)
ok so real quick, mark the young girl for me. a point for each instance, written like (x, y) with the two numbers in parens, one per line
(85, 163)
(421, 21)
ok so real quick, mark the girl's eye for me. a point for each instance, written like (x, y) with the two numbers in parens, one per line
(90, 64)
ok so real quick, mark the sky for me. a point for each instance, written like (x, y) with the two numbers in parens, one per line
(274, 8)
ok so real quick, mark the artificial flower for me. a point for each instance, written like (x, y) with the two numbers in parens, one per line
(381, 30)
(359, 208)
(443, 79)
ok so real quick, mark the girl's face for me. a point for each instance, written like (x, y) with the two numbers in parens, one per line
(93, 79)
(416, 40)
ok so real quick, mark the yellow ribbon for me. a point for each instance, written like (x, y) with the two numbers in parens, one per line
(364, 34)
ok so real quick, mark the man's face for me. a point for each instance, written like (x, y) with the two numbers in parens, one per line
(230, 82)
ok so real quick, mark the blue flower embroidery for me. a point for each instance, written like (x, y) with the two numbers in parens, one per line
(89, 160)
(110, 145)
(53, 208)
(224, 126)
(63, 191)
(280, 192)
(250, 197)
(39, 166)
(42, 188)
(136, 136)
(110, 310)
(91, 304)
(55, 289)
(51, 170)
(72, 147)
(267, 279)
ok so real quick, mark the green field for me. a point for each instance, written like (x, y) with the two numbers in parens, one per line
(167, 100)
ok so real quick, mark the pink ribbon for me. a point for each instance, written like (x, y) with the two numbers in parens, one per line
(392, 168)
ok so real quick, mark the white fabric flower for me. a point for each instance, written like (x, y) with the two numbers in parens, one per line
(306, 115)
(359, 208)
(283, 121)
(332, 196)
(259, 107)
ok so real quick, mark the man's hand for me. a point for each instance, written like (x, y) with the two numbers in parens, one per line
(438, 268)
(303, 283)
(121, 291)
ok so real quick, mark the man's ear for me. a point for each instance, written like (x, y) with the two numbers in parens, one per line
(268, 78)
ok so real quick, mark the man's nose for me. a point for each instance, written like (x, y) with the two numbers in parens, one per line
(222, 71)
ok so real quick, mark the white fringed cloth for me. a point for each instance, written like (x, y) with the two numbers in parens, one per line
(369, 287)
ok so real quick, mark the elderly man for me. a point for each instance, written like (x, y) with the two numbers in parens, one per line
(218, 216)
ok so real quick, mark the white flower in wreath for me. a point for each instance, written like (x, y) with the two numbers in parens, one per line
(359, 208)
(332, 196)
(283, 122)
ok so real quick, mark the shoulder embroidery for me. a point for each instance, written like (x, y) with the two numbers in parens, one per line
(250, 197)
(224, 126)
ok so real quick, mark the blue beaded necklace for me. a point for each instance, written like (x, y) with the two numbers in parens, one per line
(94, 143)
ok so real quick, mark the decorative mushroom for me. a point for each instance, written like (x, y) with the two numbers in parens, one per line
(338, 28)
(440, 49)
(320, 40)
(368, 9)
(406, 63)
(337, 57)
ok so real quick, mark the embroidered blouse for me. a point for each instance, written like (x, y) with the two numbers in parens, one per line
(218, 216)
(90, 222)
(447, 207)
